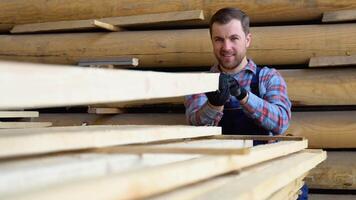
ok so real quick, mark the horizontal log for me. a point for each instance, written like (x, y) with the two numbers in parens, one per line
(334, 129)
(54, 139)
(337, 172)
(30, 11)
(51, 86)
(275, 45)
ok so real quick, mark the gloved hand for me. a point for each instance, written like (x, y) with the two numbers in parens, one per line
(220, 97)
(236, 90)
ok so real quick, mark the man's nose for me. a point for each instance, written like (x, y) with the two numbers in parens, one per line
(227, 45)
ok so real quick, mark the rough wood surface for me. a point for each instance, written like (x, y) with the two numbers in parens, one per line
(29, 11)
(331, 197)
(277, 45)
(53, 86)
(337, 172)
(45, 140)
(332, 61)
(339, 16)
(24, 125)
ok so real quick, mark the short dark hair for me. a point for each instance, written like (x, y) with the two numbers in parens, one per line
(225, 15)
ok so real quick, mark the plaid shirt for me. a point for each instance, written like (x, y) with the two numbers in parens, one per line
(272, 110)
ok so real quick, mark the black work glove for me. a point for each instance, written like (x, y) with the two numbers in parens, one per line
(220, 97)
(236, 90)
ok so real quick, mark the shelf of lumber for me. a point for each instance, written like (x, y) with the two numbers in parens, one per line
(271, 45)
(337, 172)
(268, 11)
(52, 86)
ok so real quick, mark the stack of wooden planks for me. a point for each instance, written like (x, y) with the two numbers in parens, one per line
(311, 43)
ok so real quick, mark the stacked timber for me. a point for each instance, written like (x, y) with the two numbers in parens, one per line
(312, 44)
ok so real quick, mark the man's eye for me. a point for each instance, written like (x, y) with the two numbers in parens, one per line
(218, 40)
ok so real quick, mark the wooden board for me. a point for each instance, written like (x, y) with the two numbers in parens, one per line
(46, 140)
(29, 11)
(18, 114)
(138, 183)
(337, 172)
(24, 125)
(73, 166)
(332, 61)
(128, 21)
(273, 45)
(290, 191)
(331, 197)
(51, 86)
(339, 16)
(333, 129)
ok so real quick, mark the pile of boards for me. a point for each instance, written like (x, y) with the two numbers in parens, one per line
(312, 43)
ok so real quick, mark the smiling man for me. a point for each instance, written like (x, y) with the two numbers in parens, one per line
(250, 100)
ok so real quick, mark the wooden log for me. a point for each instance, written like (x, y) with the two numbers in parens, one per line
(161, 19)
(73, 166)
(45, 140)
(275, 45)
(138, 183)
(18, 114)
(337, 172)
(332, 61)
(268, 11)
(339, 16)
(333, 129)
(51, 86)
(24, 125)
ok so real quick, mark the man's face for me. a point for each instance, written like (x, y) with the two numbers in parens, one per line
(230, 43)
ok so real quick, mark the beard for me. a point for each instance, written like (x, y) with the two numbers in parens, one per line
(230, 64)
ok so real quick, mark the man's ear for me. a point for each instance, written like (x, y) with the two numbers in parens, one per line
(248, 40)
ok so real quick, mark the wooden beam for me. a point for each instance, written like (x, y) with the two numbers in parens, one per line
(24, 125)
(121, 61)
(54, 139)
(106, 111)
(61, 168)
(138, 183)
(337, 172)
(331, 197)
(18, 114)
(332, 61)
(289, 192)
(273, 45)
(333, 129)
(271, 11)
(113, 22)
(339, 16)
(49, 85)
(106, 26)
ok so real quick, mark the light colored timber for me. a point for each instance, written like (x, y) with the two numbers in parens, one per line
(339, 16)
(109, 63)
(332, 129)
(273, 45)
(138, 183)
(126, 21)
(18, 114)
(269, 11)
(92, 110)
(54, 139)
(337, 172)
(59, 168)
(106, 26)
(290, 191)
(24, 125)
(332, 61)
(51, 86)
(331, 197)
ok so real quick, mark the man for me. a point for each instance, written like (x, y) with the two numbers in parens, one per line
(250, 99)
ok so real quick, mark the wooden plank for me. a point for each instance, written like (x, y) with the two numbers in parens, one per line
(18, 114)
(337, 172)
(273, 10)
(121, 61)
(288, 192)
(339, 16)
(92, 110)
(73, 166)
(272, 45)
(331, 197)
(53, 139)
(138, 183)
(332, 61)
(106, 26)
(127, 21)
(49, 86)
(332, 129)
(24, 125)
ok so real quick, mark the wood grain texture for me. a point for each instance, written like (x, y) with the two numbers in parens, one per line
(331, 197)
(339, 16)
(52, 86)
(332, 61)
(277, 45)
(260, 11)
(24, 125)
(337, 172)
